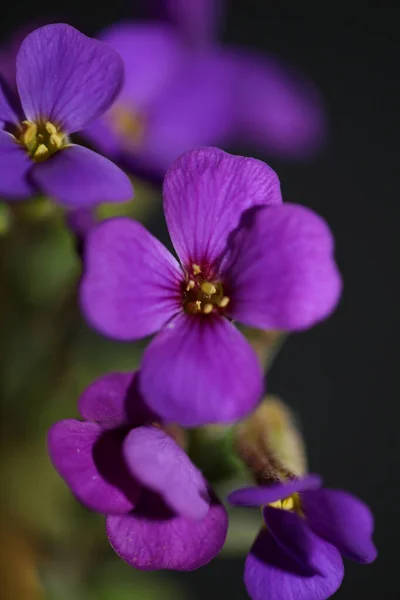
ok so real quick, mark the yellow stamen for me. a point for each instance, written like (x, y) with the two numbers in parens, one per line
(56, 140)
(224, 302)
(41, 150)
(190, 285)
(30, 132)
(208, 308)
(208, 288)
(198, 305)
(50, 128)
(196, 269)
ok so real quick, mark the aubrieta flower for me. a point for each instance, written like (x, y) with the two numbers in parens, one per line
(306, 529)
(65, 80)
(119, 461)
(244, 256)
(273, 106)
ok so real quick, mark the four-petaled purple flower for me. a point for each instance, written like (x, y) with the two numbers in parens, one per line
(306, 529)
(183, 90)
(65, 80)
(243, 255)
(160, 513)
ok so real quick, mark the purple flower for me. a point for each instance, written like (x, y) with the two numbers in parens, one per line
(160, 513)
(297, 552)
(65, 81)
(243, 256)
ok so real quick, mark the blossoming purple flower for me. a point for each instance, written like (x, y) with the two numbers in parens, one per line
(65, 80)
(160, 513)
(243, 256)
(297, 552)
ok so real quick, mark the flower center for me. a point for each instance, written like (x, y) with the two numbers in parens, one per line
(127, 124)
(291, 503)
(200, 295)
(41, 140)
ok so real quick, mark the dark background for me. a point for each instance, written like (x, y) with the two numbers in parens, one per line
(339, 377)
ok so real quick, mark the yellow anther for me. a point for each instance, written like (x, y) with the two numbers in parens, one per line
(51, 129)
(30, 132)
(208, 288)
(56, 140)
(198, 305)
(276, 504)
(196, 269)
(224, 302)
(288, 503)
(190, 285)
(207, 309)
(41, 150)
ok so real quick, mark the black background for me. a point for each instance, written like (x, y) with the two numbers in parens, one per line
(339, 377)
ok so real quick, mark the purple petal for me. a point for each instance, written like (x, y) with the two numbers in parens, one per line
(205, 193)
(152, 538)
(200, 370)
(259, 496)
(294, 536)
(89, 459)
(161, 465)
(66, 77)
(15, 166)
(80, 221)
(271, 573)
(114, 398)
(279, 110)
(78, 177)
(131, 284)
(151, 54)
(193, 110)
(198, 20)
(8, 105)
(343, 520)
(280, 269)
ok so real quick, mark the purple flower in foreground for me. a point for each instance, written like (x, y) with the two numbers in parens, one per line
(297, 553)
(65, 80)
(160, 513)
(243, 256)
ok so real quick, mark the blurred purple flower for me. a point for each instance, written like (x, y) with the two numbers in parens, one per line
(65, 80)
(297, 552)
(160, 513)
(243, 256)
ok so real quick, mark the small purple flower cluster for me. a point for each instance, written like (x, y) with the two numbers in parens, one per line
(243, 255)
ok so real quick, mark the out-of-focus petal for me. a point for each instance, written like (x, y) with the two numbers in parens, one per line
(278, 109)
(206, 192)
(258, 496)
(200, 369)
(15, 166)
(343, 520)
(78, 177)
(114, 398)
(66, 77)
(9, 105)
(152, 537)
(271, 573)
(90, 461)
(131, 283)
(158, 463)
(280, 269)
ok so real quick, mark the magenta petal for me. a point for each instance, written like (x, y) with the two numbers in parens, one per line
(278, 109)
(90, 461)
(15, 166)
(114, 398)
(271, 573)
(66, 77)
(131, 283)
(343, 520)
(200, 370)
(281, 270)
(152, 538)
(78, 177)
(159, 464)
(258, 496)
(205, 193)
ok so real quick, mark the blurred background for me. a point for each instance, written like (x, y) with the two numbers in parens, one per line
(338, 377)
